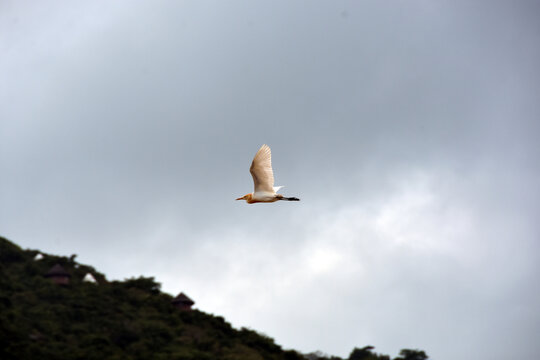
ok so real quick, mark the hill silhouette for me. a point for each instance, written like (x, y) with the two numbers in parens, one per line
(130, 319)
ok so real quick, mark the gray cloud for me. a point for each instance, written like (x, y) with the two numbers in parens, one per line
(408, 131)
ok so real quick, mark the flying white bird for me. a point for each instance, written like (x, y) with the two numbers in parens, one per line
(263, 179)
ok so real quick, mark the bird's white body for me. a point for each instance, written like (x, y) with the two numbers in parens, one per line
(263, 179)
(264, 196)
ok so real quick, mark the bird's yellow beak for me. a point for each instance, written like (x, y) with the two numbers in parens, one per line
(240, 198)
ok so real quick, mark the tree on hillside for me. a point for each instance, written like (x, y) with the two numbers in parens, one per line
(408, 354)
(366, 353)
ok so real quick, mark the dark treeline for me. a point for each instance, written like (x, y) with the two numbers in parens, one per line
(129, 319)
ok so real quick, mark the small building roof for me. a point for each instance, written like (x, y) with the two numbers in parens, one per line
(57, 270)
(182, 299)
(38, 256)
(89, 278)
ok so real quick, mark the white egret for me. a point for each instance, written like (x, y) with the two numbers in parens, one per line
(263, 179)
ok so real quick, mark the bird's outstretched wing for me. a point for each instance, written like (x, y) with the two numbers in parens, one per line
(261, 170)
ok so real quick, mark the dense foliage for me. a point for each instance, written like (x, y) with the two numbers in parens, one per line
(129, 319)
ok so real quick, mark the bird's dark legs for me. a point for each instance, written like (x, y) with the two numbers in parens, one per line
(281, 197)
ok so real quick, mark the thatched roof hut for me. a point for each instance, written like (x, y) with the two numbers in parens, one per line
(58, 275)
(182, 302)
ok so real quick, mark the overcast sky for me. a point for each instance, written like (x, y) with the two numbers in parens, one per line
(409, 129)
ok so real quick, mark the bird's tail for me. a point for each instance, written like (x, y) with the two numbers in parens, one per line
(290, 198)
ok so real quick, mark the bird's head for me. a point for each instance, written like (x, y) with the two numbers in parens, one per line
(246, 197)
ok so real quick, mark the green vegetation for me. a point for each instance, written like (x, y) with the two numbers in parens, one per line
(129, 319)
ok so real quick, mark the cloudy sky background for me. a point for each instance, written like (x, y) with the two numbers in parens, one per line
(410, 130)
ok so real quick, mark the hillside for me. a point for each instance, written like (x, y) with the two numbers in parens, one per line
(129, 319)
